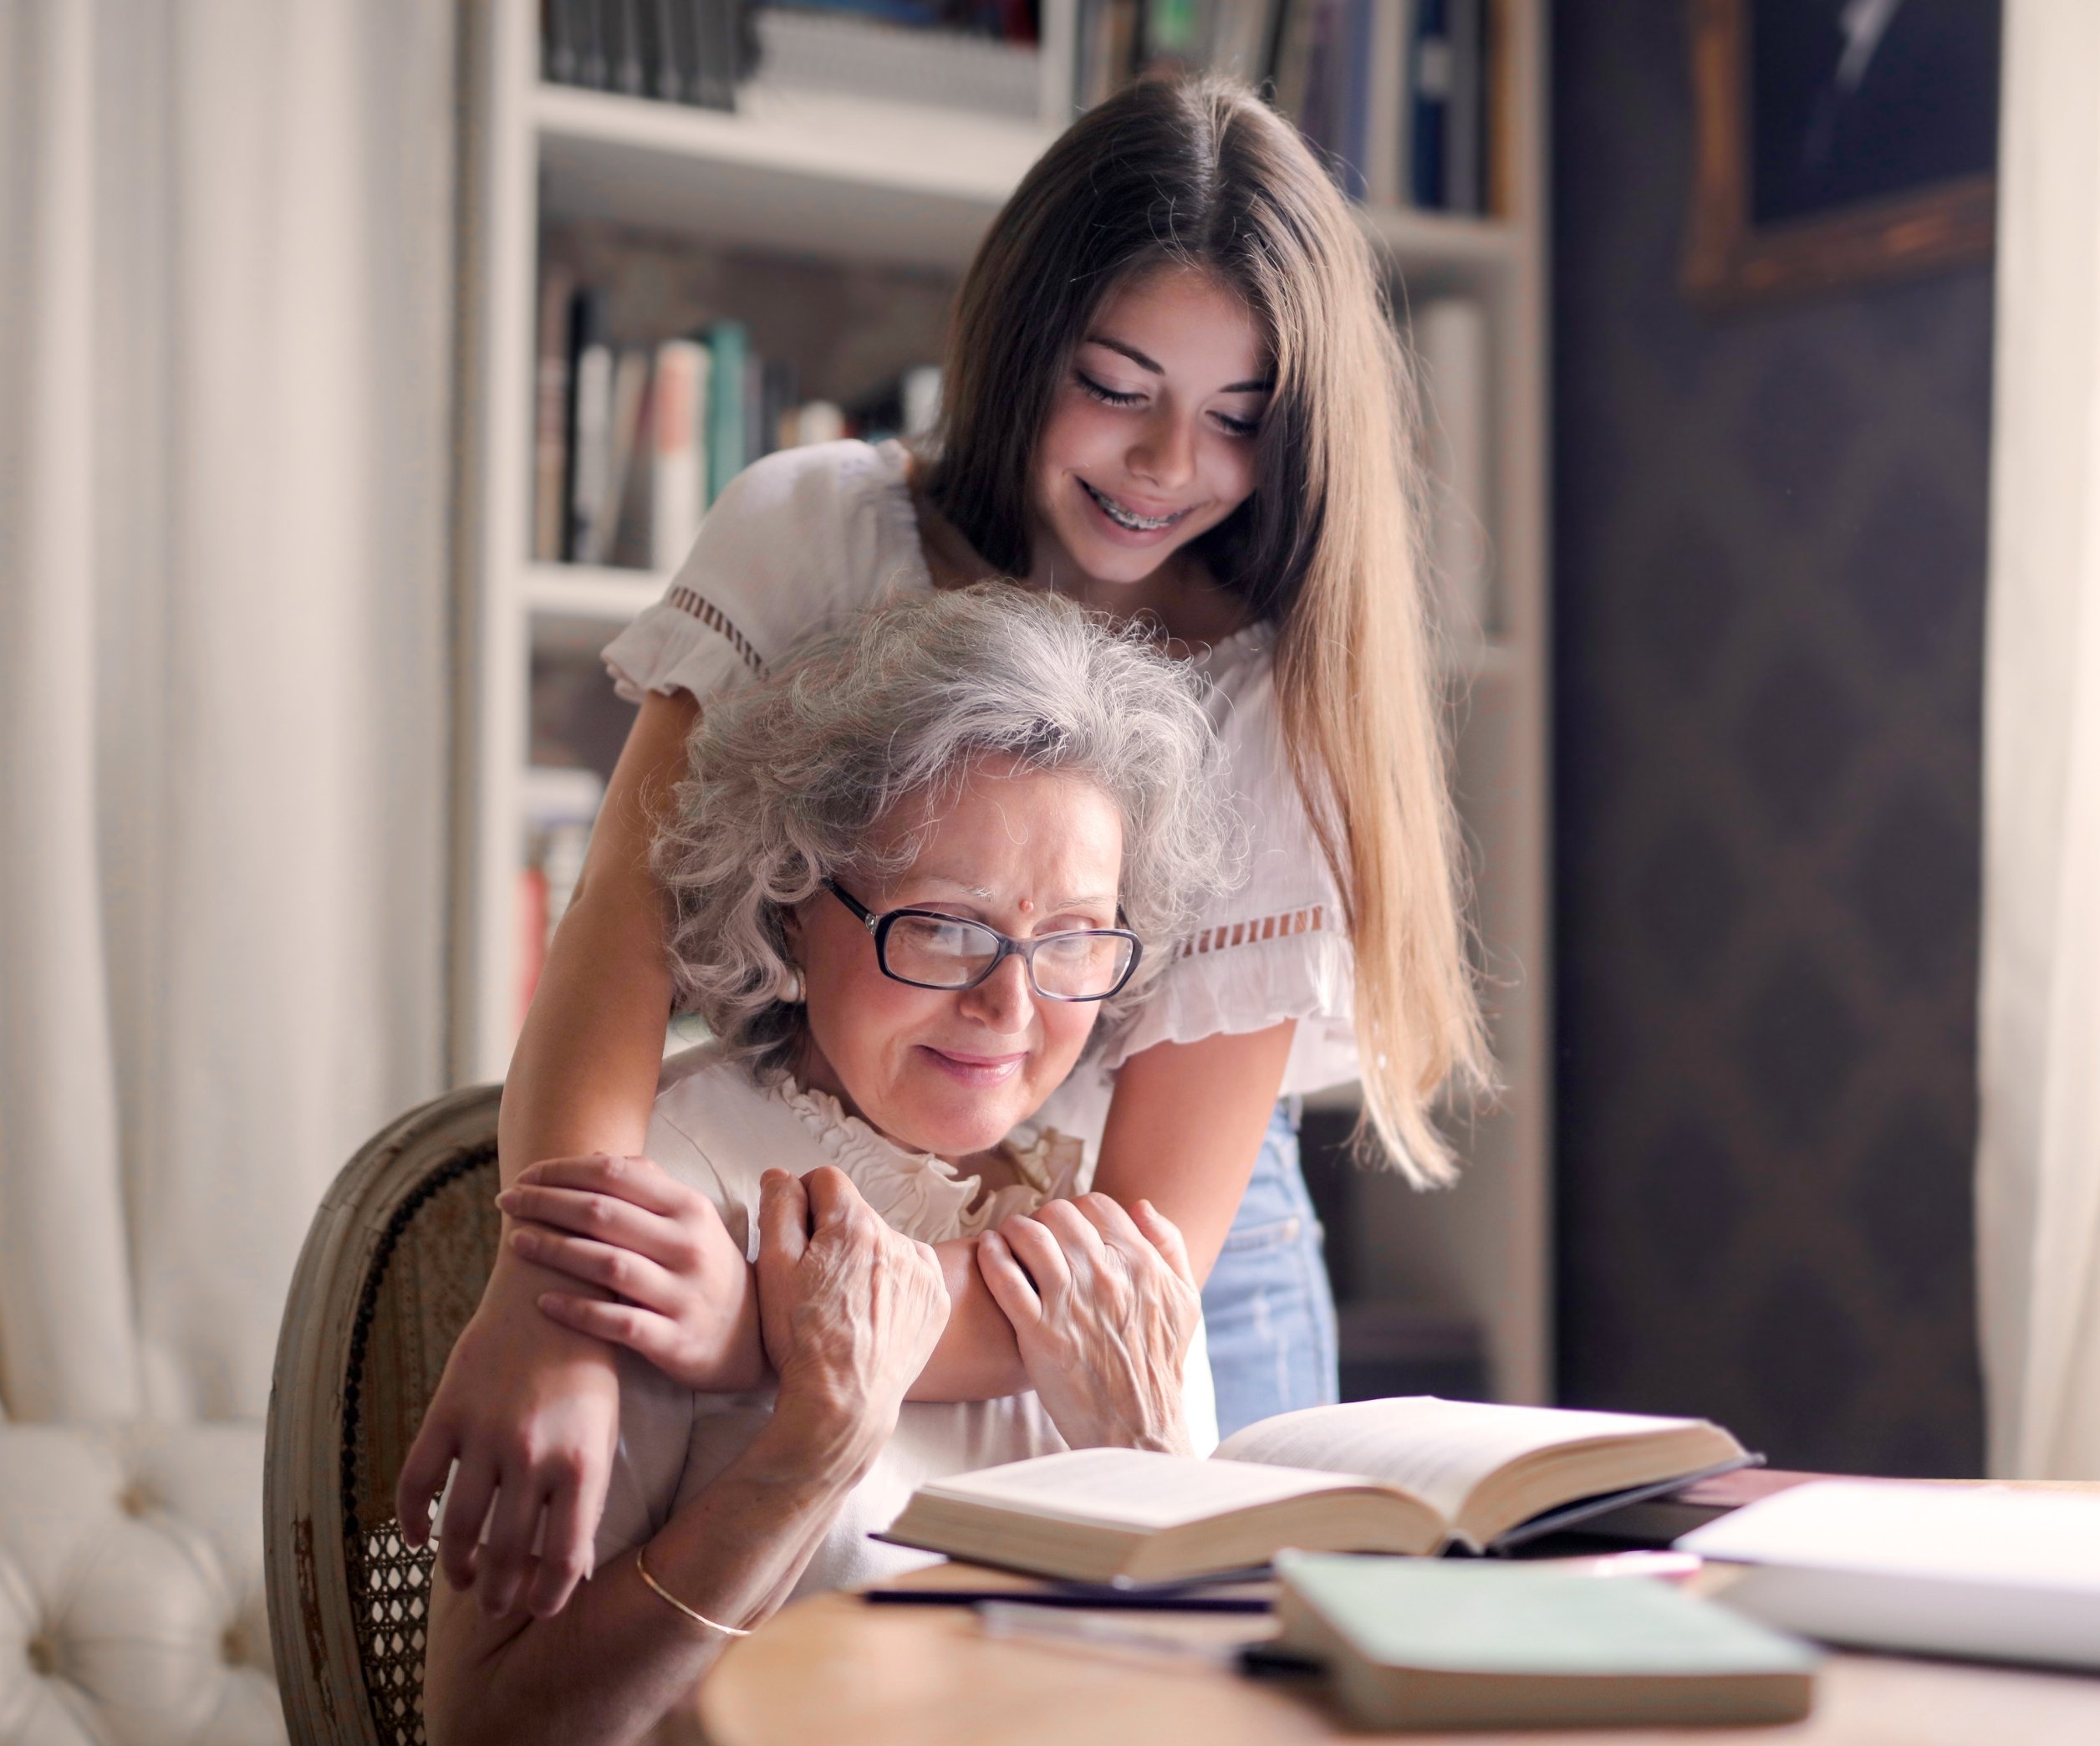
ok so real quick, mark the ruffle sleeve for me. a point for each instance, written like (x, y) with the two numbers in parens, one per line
(796, 541)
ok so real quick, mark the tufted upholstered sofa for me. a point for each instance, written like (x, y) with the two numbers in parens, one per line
(131, 1610)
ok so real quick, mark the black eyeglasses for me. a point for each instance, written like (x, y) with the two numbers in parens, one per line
(930, 950)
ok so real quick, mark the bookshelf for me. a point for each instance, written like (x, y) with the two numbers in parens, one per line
(821, 181)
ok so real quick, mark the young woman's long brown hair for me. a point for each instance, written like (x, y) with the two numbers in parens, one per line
(1202, 172)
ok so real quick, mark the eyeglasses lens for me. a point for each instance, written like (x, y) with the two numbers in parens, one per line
(1082, 965)
(939, 952)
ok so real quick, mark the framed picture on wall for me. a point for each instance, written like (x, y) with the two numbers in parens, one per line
(1839, 141)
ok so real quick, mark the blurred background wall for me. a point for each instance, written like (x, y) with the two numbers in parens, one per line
(1768, 563)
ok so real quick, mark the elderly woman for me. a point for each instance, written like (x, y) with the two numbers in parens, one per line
(915, 870)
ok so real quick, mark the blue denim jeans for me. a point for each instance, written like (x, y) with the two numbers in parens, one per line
(1268, 1311)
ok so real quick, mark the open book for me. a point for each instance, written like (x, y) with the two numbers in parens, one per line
(1411, 1475)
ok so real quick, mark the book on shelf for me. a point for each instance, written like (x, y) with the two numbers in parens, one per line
(985, 61)
(550, 417)
(589, 423)
(728, 402)
(1451, 344)
(677, 51)
(1429, 91)
(626, 438)
(957, 53)
(1416, 1475)
(1434, 1643)
(1385, 120)
(1397, 95)
(679, 412)
(1464, 179)
(633, 442)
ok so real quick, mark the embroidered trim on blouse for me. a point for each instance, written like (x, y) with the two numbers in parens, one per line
(1225, 935)
(686, 601)
(922, 1196)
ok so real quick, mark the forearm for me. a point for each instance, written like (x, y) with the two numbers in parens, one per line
(976, 1359)
(1185, 1127)
(618, 1659)
(582, 1079)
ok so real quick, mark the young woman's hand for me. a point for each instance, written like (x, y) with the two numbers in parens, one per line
(1103, 1305)
(531, 1413)
(851, 1310)
(683, 1295)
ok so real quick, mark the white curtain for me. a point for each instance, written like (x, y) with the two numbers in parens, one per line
(225, 309)
(2038, 1166)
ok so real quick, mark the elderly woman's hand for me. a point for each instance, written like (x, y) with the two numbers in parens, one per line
(1103, 1313)
(850, 1309)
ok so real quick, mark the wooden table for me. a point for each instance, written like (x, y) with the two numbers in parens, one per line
(836, 1672)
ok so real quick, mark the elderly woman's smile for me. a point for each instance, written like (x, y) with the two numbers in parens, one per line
(1028, 853)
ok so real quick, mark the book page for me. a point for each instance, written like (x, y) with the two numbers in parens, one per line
(1133, 1487)
(1439, 1450)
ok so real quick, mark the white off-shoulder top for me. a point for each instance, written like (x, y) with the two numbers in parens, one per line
(808, 536)
(718, 1131)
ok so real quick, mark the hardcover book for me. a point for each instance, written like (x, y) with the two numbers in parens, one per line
(1411, 1475)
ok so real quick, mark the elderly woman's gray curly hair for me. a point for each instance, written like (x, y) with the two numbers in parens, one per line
(789, 781)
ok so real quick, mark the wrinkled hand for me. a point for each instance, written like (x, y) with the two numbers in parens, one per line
(531, 1412)
(688, 1304)
(850, 1309)
(1103, 1305)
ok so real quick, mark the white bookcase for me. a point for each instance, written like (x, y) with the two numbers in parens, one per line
(860, 183)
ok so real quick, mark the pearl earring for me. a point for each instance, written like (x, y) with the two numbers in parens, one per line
(788, 987)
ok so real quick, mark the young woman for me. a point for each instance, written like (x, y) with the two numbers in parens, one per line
(1173, 394)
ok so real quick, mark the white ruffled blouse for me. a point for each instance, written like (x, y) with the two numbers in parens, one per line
(808, 536)
(717, 1131)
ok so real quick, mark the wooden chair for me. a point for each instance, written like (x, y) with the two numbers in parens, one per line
(392, 1268)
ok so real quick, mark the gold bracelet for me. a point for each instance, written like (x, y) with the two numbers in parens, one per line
(698, 1618)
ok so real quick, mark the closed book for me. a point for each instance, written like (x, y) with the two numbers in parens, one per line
(1412, 1475)
(1386, 141)
(1107, 49)
(550, 415)
(1429, 65)
(591, 410)
(1451, 341)
(1355, 141)
(678, 417)
(1421, 1643)
(593, 65)
(671, 39)
(1982, 1571)
(1465, 180)
(725, 438)
(624, 49)
(1296, 47)
(624, 431)
(1662, 1520)
(1240, 34)
(710, 81)
(558, 43)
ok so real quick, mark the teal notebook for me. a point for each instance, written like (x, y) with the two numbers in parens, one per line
(1427, 1643)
